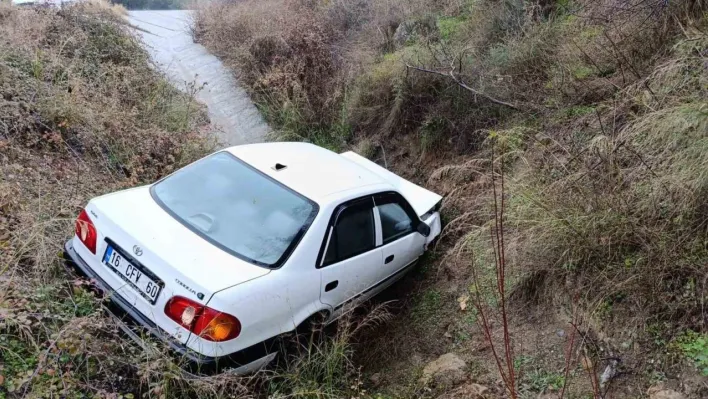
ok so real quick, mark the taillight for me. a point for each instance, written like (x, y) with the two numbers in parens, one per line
(86, 231)
(204, 321)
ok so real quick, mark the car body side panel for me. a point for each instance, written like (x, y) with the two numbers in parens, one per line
(402, 252)
(352, 277)
(435, 227)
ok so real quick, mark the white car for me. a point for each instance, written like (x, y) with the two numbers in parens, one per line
(229, 253)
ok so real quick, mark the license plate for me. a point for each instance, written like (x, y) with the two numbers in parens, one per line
(134, 275)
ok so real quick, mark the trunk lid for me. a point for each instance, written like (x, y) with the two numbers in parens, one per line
(188, 264)
(421, 199)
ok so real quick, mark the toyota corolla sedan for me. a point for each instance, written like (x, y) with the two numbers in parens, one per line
(224, 256)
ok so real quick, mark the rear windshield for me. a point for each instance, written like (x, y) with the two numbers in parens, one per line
(237, 208)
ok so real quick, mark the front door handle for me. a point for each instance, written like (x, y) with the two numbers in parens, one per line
(389, 259)
(331, 285)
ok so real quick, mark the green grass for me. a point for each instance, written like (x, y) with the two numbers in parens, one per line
(19, 362)
(427, 305)
(694, 347)
(541, 380)
(450, 26)
(291, 125)
(432, 133)
(578, 111)
(582, 71)
(535, 378)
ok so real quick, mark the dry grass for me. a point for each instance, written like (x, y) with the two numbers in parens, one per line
(299, 58)
(605, 209)
(105, 6)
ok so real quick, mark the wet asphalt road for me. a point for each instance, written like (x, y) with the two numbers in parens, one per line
(166, 36)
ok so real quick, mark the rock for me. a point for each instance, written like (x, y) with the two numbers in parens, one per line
(694, 386)
(560, 333)
(609, 373)
(375, 379)
(467, 391)
(661, 392)
(446, 371)
(403, 33)
(414, 29)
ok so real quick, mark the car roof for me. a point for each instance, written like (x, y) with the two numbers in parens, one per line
(312, 171)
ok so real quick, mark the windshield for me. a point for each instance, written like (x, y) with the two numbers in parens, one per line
(237, 208)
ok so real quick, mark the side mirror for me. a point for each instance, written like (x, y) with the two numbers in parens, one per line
(423, 229)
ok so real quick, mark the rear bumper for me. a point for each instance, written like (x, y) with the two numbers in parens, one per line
(133, 323)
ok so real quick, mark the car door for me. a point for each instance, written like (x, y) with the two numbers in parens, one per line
(350, 259)
(402, 244)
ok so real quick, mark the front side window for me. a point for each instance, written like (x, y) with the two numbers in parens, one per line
(354, 233)
(395, 222)
(237, 208)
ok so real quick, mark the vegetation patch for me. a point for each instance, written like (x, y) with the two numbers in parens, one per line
(82, 113)
(694, 347)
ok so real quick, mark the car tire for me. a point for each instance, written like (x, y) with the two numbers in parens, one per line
(299, 341)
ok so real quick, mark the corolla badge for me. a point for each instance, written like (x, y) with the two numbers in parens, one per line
(190, 289)
(137, 250)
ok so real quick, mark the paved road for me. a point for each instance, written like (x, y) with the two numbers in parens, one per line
(167, 38)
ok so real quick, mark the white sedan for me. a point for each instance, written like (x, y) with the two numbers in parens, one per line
(227, 254)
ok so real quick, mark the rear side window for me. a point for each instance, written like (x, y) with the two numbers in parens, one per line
(353, 234)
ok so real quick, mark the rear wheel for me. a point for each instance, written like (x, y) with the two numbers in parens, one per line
(306, 336)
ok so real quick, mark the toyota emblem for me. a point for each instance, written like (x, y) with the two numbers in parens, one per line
(137, 250)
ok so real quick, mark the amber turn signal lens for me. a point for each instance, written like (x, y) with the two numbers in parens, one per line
(219, 328)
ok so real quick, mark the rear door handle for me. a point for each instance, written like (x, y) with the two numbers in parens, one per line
(389, 259)
(331, 285)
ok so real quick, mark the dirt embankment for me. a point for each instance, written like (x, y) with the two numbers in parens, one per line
(586, 122)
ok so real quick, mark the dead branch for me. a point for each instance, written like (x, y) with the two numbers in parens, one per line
(570, 348)
(464, 85)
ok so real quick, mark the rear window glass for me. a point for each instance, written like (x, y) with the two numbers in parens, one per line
(237, 208)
